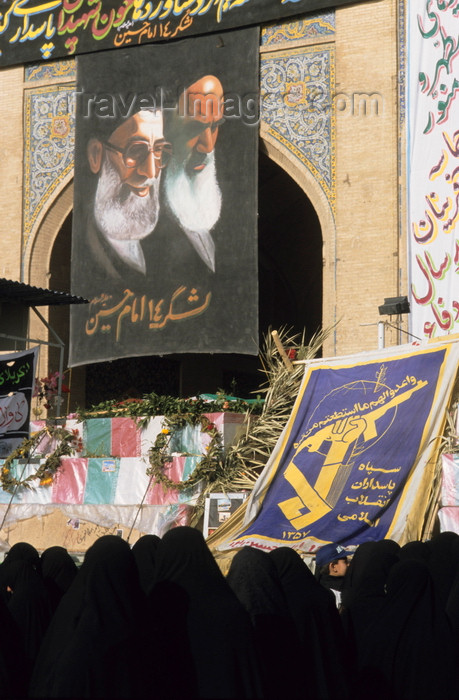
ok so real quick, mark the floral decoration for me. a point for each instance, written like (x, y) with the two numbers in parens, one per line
(46, 389)
(67, 444)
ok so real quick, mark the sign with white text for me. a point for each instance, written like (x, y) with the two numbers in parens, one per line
(17, 378)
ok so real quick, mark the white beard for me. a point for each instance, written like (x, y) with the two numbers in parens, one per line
(195, 201)
(122, 217)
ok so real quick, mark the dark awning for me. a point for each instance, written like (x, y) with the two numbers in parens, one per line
(21, 293)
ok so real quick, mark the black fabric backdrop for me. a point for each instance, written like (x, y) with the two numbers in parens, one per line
(32, 31)
(124, 319)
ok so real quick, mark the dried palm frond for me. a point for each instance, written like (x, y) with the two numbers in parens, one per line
(245, 458)
(450, 441)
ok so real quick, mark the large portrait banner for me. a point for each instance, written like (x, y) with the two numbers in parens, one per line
(356, 459)
(17, 381)
(164, 241)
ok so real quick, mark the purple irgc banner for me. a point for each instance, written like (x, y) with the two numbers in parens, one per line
(32, 30)
(360, 432)
(164, 230)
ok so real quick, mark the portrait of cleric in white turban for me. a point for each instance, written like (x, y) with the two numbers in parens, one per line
(164, 240)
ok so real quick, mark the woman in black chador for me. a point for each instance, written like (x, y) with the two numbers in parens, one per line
(254, 579)
(144, 551)
(401, 652)
(94, 646)
(29, 605)
(328, 663)
(58, 570)
(21, 551)
(364, 588)
(13, 661)
(206, 639)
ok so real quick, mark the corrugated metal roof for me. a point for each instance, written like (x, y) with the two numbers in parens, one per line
(26, 294)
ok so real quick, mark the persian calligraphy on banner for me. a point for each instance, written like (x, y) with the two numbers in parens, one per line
(31, 30)
(17, 379)
(355, 460)
(433, 165)
(164, 241)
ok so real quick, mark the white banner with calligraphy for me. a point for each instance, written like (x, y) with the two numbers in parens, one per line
(433, 167)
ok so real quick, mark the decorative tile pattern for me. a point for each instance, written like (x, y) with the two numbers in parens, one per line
(49, 136)
(311, 27)
(51, 71)
(296, 103)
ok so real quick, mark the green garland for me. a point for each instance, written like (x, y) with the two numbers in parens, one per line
(210, 468)
(159, 454)
(154, 405)
(47, 470)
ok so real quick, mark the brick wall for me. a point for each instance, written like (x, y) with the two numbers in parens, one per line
(364, 256)
(367, 258)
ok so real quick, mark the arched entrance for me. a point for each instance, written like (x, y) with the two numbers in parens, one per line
(289, 253)
(290, 295)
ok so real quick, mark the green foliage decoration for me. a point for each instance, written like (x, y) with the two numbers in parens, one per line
(238, 467)
(154, 405)
(235, 468)
(47, 469)
(160, 456)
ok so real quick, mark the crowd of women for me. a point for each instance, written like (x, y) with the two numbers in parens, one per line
(160, 620)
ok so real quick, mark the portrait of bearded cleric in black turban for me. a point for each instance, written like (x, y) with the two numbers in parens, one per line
(191, 189)
(164, 230)
(126, 202)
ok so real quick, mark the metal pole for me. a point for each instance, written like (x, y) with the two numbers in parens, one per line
(29, 340)
(381, 336)
(61, 357)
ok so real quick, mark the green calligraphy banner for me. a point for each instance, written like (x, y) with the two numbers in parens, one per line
(17, 380)
(33, 30)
